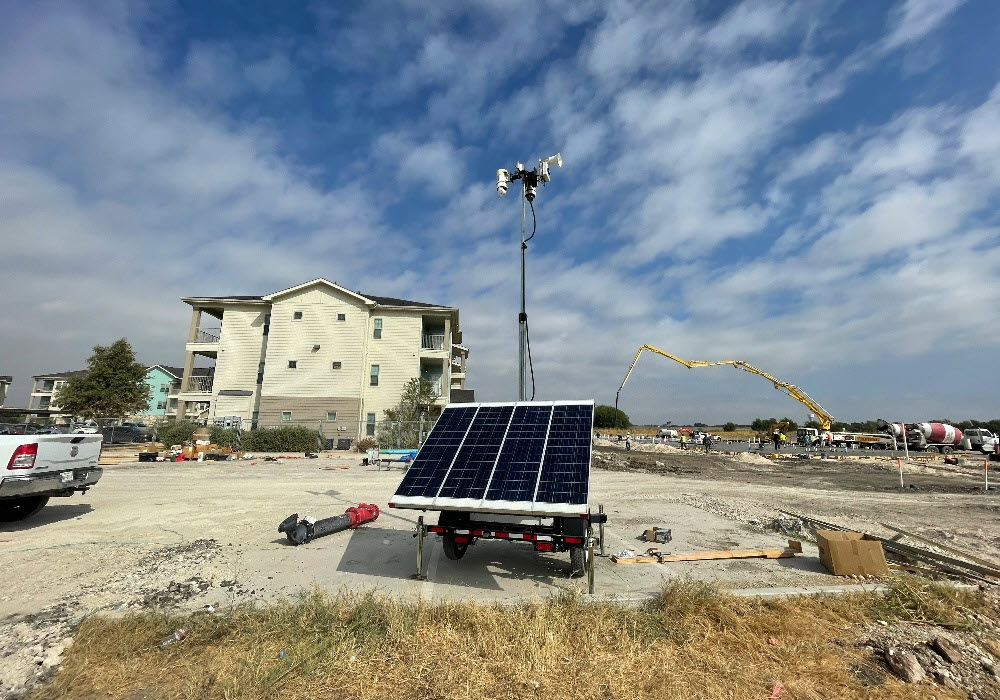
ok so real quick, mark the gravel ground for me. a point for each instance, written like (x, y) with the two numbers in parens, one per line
(191, 535)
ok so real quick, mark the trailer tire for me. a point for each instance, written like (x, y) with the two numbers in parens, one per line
(452, 549)
(577, 562)
(14, 509)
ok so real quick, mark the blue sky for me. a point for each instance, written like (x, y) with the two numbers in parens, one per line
(811, 187)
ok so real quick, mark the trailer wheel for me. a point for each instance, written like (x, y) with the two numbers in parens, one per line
(452, 549)
(14, 509)
(577, 562)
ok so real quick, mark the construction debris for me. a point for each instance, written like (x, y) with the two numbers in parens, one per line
(654, 556)
(968, 567)
(661, 535)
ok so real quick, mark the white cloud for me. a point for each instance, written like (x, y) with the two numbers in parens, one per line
(912, 20)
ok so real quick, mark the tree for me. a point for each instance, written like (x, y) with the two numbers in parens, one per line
(729, 427)
(610, 417)
(401, 425)
(114, 385)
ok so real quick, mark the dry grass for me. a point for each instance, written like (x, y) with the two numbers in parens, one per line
(690, 643)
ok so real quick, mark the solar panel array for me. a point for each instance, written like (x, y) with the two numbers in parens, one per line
(529, 458)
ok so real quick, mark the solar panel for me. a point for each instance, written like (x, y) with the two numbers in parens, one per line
(529, 458)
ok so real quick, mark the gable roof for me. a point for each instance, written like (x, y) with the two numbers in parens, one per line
(178, 372)
(60, 375)
(392, 301)
(318, 280)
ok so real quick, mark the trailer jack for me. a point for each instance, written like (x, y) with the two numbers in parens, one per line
(309, 528)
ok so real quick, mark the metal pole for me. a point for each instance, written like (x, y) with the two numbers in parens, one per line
(420, 548)
(522, 319)
(590, 559)
(600, 527)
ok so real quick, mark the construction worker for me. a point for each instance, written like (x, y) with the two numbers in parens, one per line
(628, 441)
(776, 438)
(683, 441)
(783, 439)
(707, 442)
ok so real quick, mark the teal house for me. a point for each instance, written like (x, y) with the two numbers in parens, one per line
(164, 384)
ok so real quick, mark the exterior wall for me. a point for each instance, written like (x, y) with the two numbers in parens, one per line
(239, 354)
(397, 354)
(3, 392)
(156, 378)
(226, 406)
(39, 392)
(338, 341)
(312, 411)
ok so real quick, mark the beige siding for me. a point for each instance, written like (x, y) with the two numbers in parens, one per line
(241, 406)
(340, 341)
(397, 354)
(312, 411)
(239, 354)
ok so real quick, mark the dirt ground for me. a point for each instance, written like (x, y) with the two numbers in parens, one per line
(199, 535)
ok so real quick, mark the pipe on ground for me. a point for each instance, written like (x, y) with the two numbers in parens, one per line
(309, 528)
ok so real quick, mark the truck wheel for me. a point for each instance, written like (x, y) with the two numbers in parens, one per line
(16, 509)
(931, 449)
(577, 562)
(947, 450)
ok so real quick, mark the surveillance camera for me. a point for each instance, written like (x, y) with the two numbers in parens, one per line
(503, 177)
(543, 166)
(555, 160)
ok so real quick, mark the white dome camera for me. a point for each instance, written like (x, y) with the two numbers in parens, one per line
(503, 177)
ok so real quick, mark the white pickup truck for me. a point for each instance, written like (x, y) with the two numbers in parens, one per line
(34, 468)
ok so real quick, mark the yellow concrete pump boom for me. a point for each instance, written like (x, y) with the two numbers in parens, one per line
(822, 416)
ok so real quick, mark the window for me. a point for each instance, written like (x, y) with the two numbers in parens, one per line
(378, 329)
(297, 315)
(161, 405)
(292, 364)
(286, 415)
(267, 323)
(256, 416)
(374, 376)
(331, 416)
(163, 388)
(341, 317)
(370, 427)
(338, 365)
(260, 372)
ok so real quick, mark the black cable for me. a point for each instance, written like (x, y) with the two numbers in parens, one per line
(527, 334)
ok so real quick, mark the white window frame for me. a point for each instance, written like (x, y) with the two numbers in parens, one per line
(330, 419)
(377, 329)
(293, 364)
(373, 373)
(289, 417)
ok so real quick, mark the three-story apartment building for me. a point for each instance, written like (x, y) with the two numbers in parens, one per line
(45, 387)
(317, 353)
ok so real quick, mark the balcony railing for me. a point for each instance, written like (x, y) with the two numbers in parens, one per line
(432, 341)
(199, 385)
(208, 335)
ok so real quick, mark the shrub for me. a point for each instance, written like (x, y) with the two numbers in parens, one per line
(223, 437)
(729, 427)
(175, 432)
(291, 439)
(366, 444)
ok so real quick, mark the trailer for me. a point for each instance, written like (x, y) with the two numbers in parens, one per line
(517, 472)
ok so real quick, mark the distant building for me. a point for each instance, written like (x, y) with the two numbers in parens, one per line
(44, 388)
(318, 353)
(5, 382)
(164, 383)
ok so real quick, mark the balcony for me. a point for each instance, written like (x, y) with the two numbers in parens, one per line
(432, 341)
(208, 335)
(198, 385)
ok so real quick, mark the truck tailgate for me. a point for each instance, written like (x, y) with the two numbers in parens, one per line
(62, 452)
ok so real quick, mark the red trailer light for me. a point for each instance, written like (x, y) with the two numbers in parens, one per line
(24, 456)
(574, 540)
(459, 539)
(543, 546)
(435, 528)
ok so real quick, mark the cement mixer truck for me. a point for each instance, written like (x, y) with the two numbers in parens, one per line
(929, 437)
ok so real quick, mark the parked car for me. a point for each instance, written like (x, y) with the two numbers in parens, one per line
(86, 429)
(53, 430)
(21, 429)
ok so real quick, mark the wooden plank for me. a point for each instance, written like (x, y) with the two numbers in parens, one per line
(794, 548)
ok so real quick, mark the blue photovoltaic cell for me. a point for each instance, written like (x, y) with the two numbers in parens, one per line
(427, 471)
(566, 469)
(470, 472)
(517, 468)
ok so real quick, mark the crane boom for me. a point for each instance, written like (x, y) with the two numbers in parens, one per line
(823, 417)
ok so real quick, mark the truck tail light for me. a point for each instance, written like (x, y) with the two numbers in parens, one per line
(24, 456)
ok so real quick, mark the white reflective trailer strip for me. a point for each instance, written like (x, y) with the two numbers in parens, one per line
(463, 532)
(544, 538)
(515, 536)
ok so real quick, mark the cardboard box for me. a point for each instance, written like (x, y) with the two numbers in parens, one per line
(847, 554)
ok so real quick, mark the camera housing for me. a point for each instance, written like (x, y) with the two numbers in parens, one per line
(503, 178)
